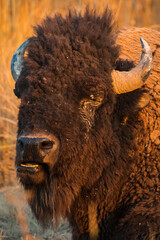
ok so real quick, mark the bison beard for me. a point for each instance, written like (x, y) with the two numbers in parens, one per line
(48, 207)
(83, 151)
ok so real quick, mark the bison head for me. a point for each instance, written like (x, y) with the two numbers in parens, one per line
(68, 85)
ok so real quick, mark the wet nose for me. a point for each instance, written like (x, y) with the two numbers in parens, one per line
(34, 148)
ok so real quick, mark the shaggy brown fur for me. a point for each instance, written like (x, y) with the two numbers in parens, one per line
(109, 154)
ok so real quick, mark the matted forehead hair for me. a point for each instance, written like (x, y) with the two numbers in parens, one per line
(77, 51)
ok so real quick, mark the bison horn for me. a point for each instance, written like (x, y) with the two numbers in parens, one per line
(17, 59)
(124, 81)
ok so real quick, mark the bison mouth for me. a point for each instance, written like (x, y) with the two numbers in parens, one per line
(31, 173)
(29, 168)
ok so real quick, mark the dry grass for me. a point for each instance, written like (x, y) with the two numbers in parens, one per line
(17, 221)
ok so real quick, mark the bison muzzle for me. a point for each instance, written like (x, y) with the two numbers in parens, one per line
(34, 156)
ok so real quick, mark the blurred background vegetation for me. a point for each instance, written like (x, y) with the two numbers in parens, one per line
(17, 18)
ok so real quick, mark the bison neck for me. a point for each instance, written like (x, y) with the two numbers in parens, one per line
(95, 213)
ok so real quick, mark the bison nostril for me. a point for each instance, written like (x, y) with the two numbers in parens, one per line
(21, 144)
(46, 145)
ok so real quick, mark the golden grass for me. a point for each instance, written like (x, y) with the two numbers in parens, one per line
(2, 234)
(17, 18)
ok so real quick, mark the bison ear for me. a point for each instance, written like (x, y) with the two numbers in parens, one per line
(88, 108)
(130, 103)
(143, 101)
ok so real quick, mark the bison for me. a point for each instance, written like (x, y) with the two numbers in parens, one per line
(88, 126)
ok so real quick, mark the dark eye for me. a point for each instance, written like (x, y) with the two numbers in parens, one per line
(16, 92)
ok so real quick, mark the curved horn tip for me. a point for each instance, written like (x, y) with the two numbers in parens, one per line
(145, 47)
(16, 62)
(147, 53)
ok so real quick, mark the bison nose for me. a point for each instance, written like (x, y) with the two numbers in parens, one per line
(34, 149)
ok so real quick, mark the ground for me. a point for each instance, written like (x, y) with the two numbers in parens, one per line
(18, 223)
